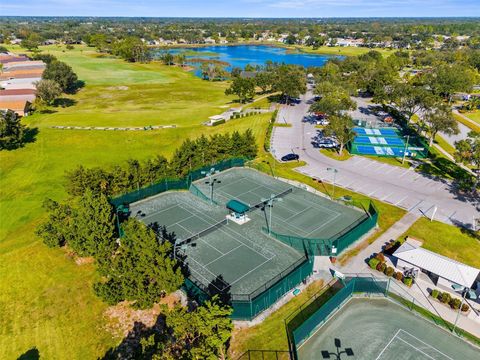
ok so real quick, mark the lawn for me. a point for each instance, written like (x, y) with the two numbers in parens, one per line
(46, 299)
(337, 50)
(451, 241)
(271, 333)
(475, 116)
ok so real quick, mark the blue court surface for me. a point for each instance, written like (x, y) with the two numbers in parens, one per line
(377, 140)
(376, 132)
(379, 150)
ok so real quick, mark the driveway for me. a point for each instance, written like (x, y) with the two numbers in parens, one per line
(417, 193)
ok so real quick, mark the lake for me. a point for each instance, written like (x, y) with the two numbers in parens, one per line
(242, 55)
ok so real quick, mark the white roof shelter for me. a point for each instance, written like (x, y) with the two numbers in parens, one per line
(442, 266)
(216, 118)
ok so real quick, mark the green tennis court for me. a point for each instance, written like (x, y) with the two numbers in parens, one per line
(238, 257)
(378, 329)
(300, 213)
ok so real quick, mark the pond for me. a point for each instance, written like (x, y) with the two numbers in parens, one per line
(242, 55)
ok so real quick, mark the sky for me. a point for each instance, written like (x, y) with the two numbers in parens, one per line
(242, 8)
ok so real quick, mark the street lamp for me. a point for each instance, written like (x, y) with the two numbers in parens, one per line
(338, 344)
(405, 150)
(211, 181)
(269, 202)
(465, 291)
(335, 171)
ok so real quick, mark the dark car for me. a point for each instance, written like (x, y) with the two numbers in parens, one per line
(290, 157)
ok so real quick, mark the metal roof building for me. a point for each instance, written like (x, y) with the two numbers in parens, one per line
(451, 270)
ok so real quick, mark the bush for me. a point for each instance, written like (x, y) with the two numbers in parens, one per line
(381, 267)
(399, 276)
(408, 281)
(389, 271)
(435, 293)
(373, 262)
(445, 298)
(465, 307)
(455, 303)
(380, 257)
(218, 122)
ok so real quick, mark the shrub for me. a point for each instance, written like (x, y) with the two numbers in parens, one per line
(465, 307)
(389, 271)
(445, 298)
(399, 276)
(435, 293)
(380, 257)
(373, 262)
(408, 281)
(381, 267)
(455, 303)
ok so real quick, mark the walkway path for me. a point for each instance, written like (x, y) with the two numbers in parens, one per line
(418, 193)
(420, 290)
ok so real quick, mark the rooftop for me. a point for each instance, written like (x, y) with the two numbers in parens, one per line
(447, 268)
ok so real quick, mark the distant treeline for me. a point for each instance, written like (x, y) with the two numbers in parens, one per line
(134, 174)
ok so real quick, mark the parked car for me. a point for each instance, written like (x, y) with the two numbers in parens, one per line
(290, 157)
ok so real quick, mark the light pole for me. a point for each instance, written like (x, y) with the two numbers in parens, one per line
(465, 291)
(405, 150)
(269, 202)
(338, 344)
(335, 171)
(211, 181)
(274, 161)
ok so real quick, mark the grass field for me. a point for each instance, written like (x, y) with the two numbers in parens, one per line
(475, 116)
(451, 241)
(338, 50)
(46, 299)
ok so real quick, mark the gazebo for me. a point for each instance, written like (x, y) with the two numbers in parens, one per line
(238, 211)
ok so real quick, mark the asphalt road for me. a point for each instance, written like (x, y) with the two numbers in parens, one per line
(405, 188)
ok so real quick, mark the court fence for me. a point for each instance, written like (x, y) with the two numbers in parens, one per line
(176, 184)
(337, 243)
(306, 320)
(248, 306)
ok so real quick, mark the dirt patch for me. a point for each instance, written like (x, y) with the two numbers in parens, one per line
(84, 260)
(122, 87)
(122, 317)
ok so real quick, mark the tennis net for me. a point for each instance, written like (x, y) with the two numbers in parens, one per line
(207, 231)
(279, 195)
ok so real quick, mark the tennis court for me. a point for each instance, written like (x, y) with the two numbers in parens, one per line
(218, 253)
(376, 132)
(299, 213)
(378, 329)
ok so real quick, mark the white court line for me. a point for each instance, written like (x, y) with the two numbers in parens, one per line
(386, 346)
(255, 268)
(228, 252)
(159, 212)
(325, 223)
(423, 342)
(413, 347)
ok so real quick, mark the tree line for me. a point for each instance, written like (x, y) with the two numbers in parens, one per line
(139, 266)
(134, 174)
(288, 80)
(422, 98)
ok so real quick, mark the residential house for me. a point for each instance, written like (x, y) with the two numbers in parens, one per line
(21, 108)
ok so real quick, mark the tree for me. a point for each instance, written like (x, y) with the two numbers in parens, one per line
(340, 126)
(244, 88)
(289, 80)
(143, 269)
(131, 49)
(62, 74)
(202, 333)
(11, 130)
(31, 42)
(440, 119)
(94, 227)
(180, 59)
(47, 91)
(58, 229)
(467, 152)
(447, 79)
(333, 100)
(263, 80)
(410, 99)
